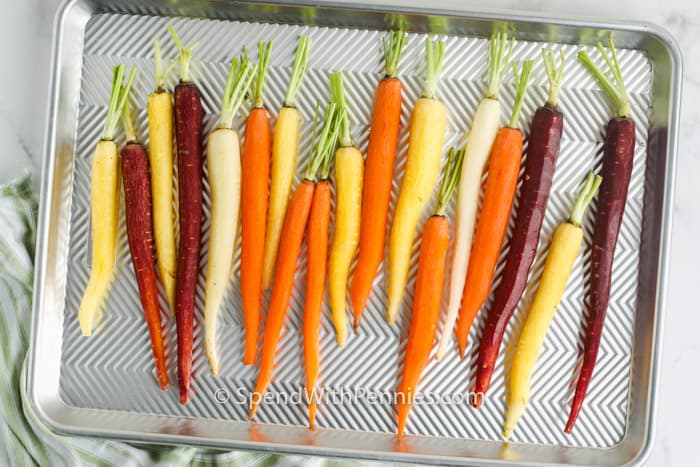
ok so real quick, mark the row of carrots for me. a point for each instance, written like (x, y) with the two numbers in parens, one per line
(275, 222)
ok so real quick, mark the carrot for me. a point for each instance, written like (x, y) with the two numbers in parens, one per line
(317, 251)
(379, 170)
(104, 205)
(285, 137)
(481, 138)
(224, 169)
(188, 135)
(428, 291)
(618, 157)
(349, 168)
(542, 151)
(255, 173)
(563, 251)
(160, 149)
(295, 221)
(139, 231)
(506, 152)
(427, 134)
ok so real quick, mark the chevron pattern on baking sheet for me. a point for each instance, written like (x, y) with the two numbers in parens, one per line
(114, 370)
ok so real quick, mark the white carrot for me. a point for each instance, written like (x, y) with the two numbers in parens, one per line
(481, 137)
(224, 169)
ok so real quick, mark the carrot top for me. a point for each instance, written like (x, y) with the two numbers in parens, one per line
(338, 98)
(499, 56)
(264, 50)
(185, 55)
(127, 120)
(323, 146)
(393, 46)
(239, 78)
(554, 76)
(117, 99)
(612, 83)
(434, 53)
(160, 74)
(450, 179)
(301, 61)
(520, 90)
(587, 193)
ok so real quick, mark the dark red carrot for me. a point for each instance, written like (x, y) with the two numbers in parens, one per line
(139, 231)
(188, 135)
(618, 157)
(542, 152)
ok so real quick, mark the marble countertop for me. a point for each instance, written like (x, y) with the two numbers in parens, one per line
(25, 36)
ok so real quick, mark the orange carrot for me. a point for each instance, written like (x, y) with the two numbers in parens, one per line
(317, 251)
(504, 167)
(292, 235)
(379, 169)
(428, 291)
(255, 168)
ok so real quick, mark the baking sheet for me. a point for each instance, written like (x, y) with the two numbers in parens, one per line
(113, 369)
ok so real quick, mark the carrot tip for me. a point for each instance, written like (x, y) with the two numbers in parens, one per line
(477, 401)
(183, 396)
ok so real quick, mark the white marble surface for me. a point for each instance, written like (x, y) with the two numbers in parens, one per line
(25, 35)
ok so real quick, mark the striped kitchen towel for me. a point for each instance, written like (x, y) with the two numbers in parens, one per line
(24, 440)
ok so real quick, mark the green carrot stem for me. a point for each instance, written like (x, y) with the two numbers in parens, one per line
(117, 99)
(324, 146)
(520, 90)
(160, 74)
(301, 61)
(554, 76)
(393, 47)
(185, 55)
(434, 53)
(587, 193)
(239, 79)
(499, 56)
(450, 179)
(128, 123)
(264, 51)
(612, 84)
(338, 98)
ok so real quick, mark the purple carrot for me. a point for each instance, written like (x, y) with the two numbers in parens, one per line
(618, 158)
(542, 152)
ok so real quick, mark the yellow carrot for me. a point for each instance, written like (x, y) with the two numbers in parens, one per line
(563, 251)
(285, 137)
(349, 172)
(160, 151)
(104, 205)
(427, 134)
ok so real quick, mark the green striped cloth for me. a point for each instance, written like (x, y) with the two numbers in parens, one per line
(24, 440)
